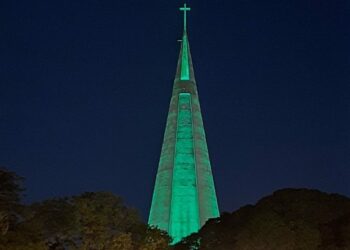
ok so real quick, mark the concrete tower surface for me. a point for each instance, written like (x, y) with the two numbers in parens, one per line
(184, 195)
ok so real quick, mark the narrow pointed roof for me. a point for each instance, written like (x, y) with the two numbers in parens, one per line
(184, 70)
(184, 196)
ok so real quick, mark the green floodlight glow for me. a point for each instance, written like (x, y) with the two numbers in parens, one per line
(185, 9)
(185, 67)
(184, 213)
(184, 195)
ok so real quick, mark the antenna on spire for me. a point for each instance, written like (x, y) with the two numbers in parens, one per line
(185, 9)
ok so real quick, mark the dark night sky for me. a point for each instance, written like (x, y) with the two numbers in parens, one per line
(85, 87)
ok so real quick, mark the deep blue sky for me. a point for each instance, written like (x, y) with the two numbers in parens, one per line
(85, 87)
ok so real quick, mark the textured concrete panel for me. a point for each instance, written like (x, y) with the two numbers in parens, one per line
(184, 195)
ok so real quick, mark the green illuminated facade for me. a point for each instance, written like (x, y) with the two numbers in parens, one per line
(184, 195)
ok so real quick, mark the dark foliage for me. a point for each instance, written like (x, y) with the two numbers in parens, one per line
(91, 221)
(289, 219)
(10, 197)
(295, 219)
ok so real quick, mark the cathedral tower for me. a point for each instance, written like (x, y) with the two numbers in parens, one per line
(184, 195)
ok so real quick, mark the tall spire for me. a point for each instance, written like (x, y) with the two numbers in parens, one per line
(184, 195)
(185, 68)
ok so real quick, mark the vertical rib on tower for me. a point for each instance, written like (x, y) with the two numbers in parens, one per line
(184, 195)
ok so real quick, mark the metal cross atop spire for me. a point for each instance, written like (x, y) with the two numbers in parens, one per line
(185, 9)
